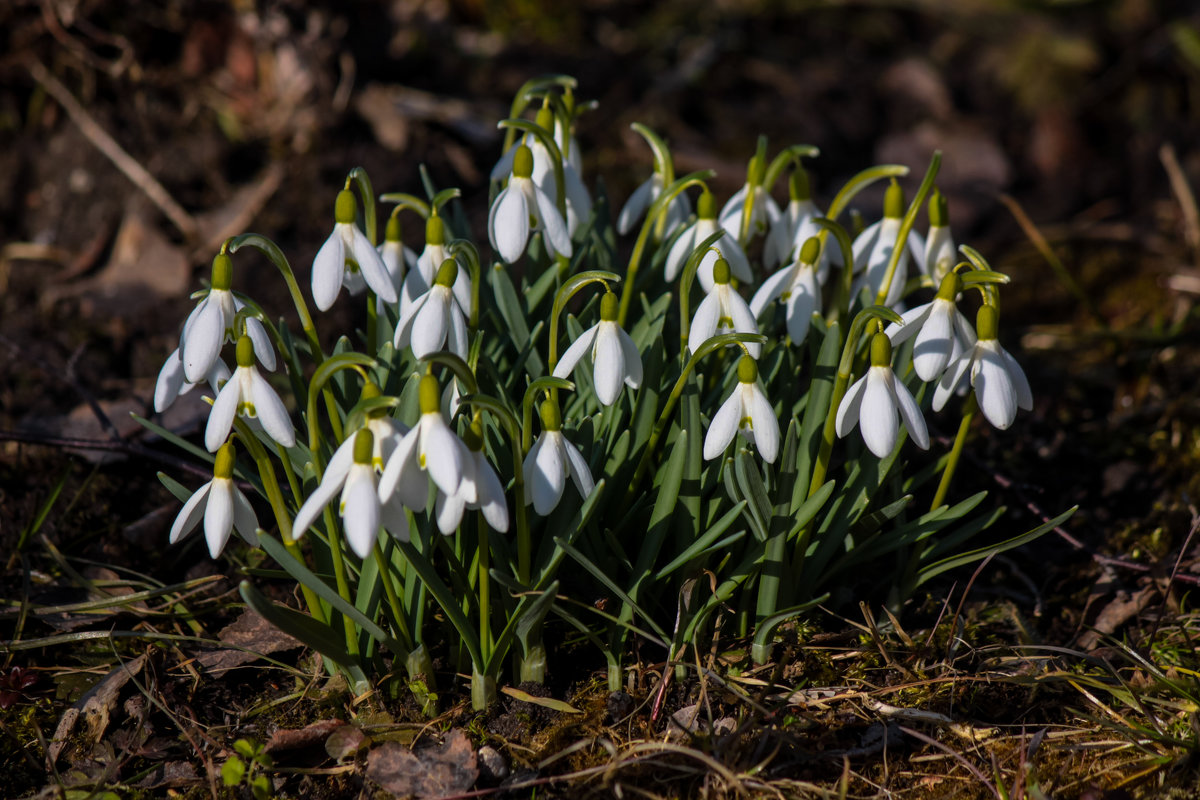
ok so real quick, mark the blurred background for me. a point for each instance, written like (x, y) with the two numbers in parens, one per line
(136, 135)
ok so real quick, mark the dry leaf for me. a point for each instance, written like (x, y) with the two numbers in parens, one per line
(312, 735)
(430, 773)
(95, 707)
(249, 631)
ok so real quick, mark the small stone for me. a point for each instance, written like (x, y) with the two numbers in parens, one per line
(492, 766)
(619, 705)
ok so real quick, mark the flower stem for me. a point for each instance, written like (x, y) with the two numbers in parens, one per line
(970, 408)
(339, 574)
(389, 588)
(906, 226)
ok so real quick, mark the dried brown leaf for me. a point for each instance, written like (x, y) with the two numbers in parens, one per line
(431, 773)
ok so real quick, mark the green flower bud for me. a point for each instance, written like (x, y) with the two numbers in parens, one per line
(747, 370)
(435, 230)
(551, 417)
(523, 162)
(222, 272)
(429, 396)
(706, 206)
(608, 307)
(881, 350)
(721, 271)
(473, 438)
(810, 250)
(346, 207)
(545, 116)
(392, 232)
(950, 287)
(447, 273)
(987, 322)
(939, 210)
(223, 468)
(893, 201)
(245, 351)
(364, 446)
(369, 392)
(798, 188)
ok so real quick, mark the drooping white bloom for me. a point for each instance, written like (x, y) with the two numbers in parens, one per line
(420, 279)
(796, 286)
(940, 252)
(999, 382)
(247, 393)
(877, 403)
(643, 197)
(763, 213)
(694, 235)
(942, 332)
(722, 311)
(352, 476)
(437, 319)
(615, 357)
(579, 201)
(429, 451)
(210, 326)
(746, 411)
(172, 382)
(522, 208)
(873, 249)
(551, 459)
(348, 246)
(222, 505)
(398, 259)
(480, 489)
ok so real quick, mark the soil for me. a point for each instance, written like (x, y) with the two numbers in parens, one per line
(1086, 116)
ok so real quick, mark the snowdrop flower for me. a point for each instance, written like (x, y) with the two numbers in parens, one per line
(549, 462)
(999, 382)
(578, 201)
(222, 505)
(874, 401)
(429, 447)
(722, 311)
(436, 320)
(397, 259)
(942, 332)
(797, 287)
(387, 431)
(521, 208)
(419, 280)
(643, 197)
(746, 411)
(615, 357)
(172, 383)
(248, 394)
(762, 215)
(351, 475)
(349, 247)
(480, 489)
(784, 238)
(873, 248)
(705, 226)
(940, 252)
(210, 326)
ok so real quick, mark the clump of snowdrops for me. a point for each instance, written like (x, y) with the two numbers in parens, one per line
(712, 433)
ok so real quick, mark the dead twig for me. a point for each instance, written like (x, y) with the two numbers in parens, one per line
(107, 145)
(1185, 198)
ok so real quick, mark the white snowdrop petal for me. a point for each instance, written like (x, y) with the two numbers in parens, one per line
(190, 515)
(951, 378)
(573, 354)
(218, 516)
(361, 514)
(490, 494)
(935, 342)
(329, 487)
(633, 360)
(679, 252)
(202, 340)
(848, 411)
(508, 223)
(704, 323)
(449, 512)
(608, 364)
(327, 270)
(270, 410)
(579, 202)
(245, 522)
(635, 206)
(994, 388)
(877, 416)
(169, 383)
(800, 308)
(456, 336)
(581, 473)
(431, 320)
(739, 265)
(910, 413)
(224, 409)
(549, 475)
(442, 453)
(555, 228)
(262, 343)
(724, 426)
(763, 423)
(404, 326)
(743, 320)
(770, 290)
(371, 266)
(912, 320)
(503, 167)
(864, 245)
(1019, 381)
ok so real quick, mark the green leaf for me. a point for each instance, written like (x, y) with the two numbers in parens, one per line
(313, 634)
(937, 568)
(510, 309)
(702, 544)
(450, 605)
(232, 771)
